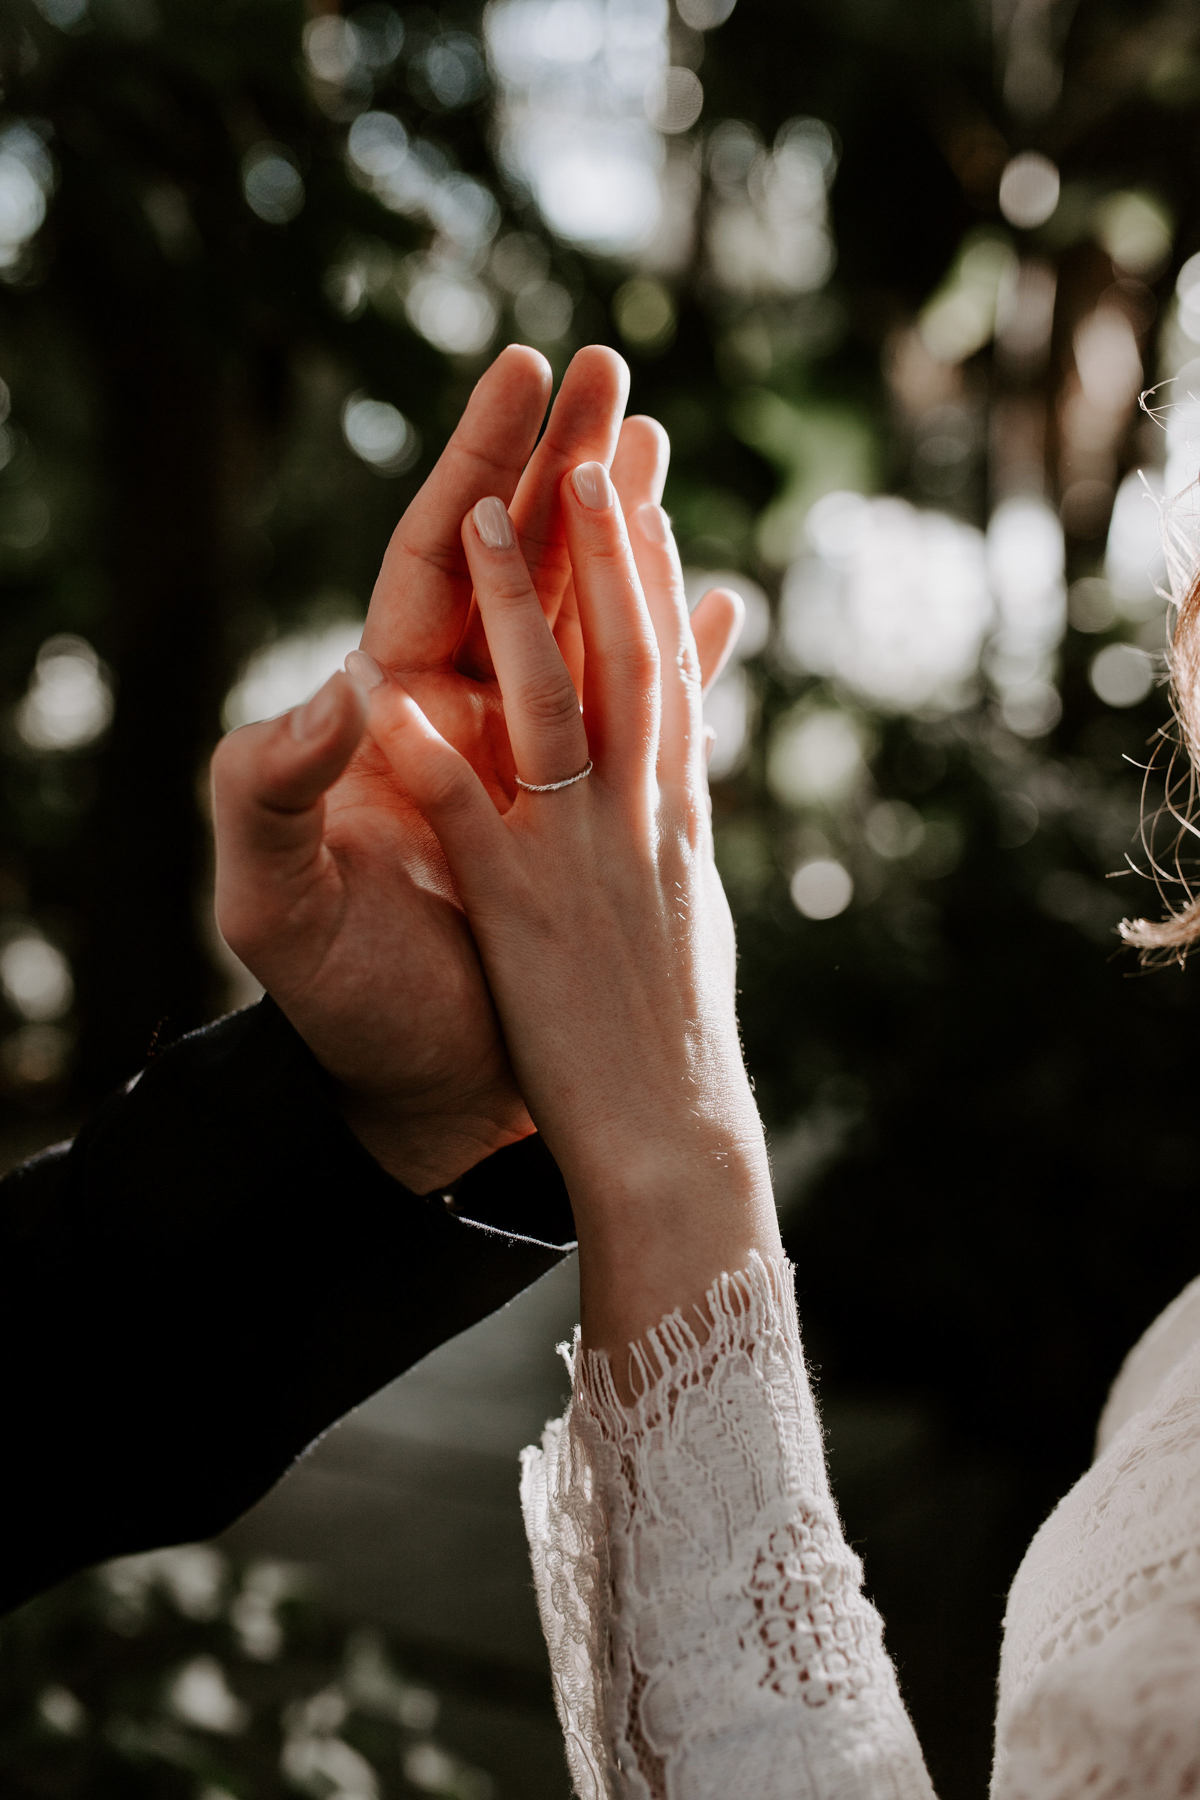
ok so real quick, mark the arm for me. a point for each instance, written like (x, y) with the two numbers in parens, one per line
(705, 1615)
(218, 1269)
(208, 1278)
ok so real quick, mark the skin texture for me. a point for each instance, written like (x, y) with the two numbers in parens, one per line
(600, 919)
(331, 886)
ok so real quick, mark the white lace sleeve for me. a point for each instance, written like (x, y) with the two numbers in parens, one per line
(707, 1630)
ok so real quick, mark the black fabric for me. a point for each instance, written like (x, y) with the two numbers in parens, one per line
(211, 1275)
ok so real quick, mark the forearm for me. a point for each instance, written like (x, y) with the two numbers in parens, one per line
(208, 1279)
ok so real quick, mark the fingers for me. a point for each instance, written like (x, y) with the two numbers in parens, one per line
(422, 597)
(269, 783)
(716, 626)
(583, 426)
(657, 559)
(445, 788)
(639, 469)
(620, 692)
(541, 707)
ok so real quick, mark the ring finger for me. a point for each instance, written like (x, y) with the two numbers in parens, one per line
(545, 726)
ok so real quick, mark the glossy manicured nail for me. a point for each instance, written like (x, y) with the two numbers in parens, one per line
(653, 523)
(493, 524)
(363, 668)
(314, 720)
(591, 483)
(710, 738)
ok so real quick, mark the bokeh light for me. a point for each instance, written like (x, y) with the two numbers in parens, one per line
(894, 829)
(821, 889)
(1137, 231)
(36, 978)
(272, 184)
(63, 13)
(288, 672)
(68, 702)
(644, 313)
(816, 754)
(574, 78)
(1121, 674)
(704, 15)
(1025, 563)
(200, 1695)
(1134, 563)
(1029, 189)
(891, 602)
(26, 182)
(675, 100)
(380, 435)
(456, 314)
(961, 316)
(768, 227)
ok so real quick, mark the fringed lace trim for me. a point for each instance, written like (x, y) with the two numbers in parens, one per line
(707, 1630)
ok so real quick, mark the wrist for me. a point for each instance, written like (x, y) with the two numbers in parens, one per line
(663, 1206)
(712, 1140)
(428, 1151)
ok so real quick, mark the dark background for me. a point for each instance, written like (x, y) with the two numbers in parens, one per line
(980, 1107)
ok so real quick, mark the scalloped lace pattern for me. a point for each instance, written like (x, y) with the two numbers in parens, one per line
(707, 1630)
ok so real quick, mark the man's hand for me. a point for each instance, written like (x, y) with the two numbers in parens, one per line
(330, 886)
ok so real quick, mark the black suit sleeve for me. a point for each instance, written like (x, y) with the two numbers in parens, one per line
(208, 1278)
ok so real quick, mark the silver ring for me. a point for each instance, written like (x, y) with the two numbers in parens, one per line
(552, 787)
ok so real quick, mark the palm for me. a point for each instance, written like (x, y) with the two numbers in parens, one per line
(388, 936)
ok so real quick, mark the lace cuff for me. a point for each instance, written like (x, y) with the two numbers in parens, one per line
(707, 1631)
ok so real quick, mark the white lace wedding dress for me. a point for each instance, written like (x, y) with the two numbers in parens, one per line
(708, 1635)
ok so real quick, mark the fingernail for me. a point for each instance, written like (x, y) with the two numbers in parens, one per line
(364, 669)
(710, 738)
(312, 720)
(493, 524)
(653, 523)
(591, 483)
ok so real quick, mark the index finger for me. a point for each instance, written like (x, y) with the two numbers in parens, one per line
(423, 594)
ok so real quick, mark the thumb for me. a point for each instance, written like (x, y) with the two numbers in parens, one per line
(269, 784)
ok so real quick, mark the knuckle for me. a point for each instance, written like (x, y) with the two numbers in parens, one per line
(636, 659)
(511, 589)
(550, 703)
(446, 789)
(688, 664)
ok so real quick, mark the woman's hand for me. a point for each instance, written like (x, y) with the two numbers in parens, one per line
(599, 916)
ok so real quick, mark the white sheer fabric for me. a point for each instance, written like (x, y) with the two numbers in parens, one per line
(707, 1631)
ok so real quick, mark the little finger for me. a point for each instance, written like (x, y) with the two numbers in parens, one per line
(653, 544)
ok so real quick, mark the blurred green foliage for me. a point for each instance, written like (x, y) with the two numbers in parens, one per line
(985, 1158)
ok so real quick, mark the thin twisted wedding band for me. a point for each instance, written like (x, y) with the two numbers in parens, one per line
(552, 787)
